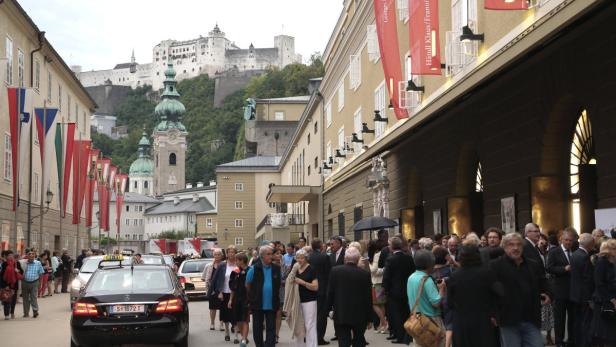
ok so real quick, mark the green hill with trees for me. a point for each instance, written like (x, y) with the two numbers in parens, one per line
(215, 134)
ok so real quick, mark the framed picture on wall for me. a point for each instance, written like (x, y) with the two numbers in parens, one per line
(508, 213)
(437, 221)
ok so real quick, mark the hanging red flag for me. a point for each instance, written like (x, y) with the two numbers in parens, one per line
(80, 166)
(102, 167)
(424, 37)
(120, 189)
(506, 4)
(387, 32)
(162, 244)
(69, 140)
(196, 243)
(90, 184)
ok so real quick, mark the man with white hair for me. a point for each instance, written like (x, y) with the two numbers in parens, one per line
(582, 288)
(349, 295)
(532, 235)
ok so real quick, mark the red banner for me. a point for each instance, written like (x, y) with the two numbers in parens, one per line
(424, 37)
(80, 167)
(506, 4)
(162, 244)
(196, 244)
(387, 32)
(70, 146)
(102, 167)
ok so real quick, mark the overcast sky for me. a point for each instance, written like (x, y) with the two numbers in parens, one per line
(97, 34)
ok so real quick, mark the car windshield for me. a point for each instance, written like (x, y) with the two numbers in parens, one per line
(91, 264)
(152, 260)
(194, 266)
(125, 280)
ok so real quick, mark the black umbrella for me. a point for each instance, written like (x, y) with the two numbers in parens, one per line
(374, 223)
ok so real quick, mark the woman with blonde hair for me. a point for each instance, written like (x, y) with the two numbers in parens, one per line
(300, 301)
(604, 297)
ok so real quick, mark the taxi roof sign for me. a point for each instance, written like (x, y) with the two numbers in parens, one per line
(113, 257)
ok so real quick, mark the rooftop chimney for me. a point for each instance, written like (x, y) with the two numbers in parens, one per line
(212, 183)
(199, 184)
(176, 200)
(195, 197)
(188, 185)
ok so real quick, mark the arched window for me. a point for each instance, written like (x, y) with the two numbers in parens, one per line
(582, 153)
(172, 159)
(135, 184)
(479, 179)
(145, 184)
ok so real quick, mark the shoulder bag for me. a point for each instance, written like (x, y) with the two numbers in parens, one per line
(6, 294)
(425, 331)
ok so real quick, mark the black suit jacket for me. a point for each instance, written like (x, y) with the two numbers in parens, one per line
(561, 278)
(489, 253)
(340, 261)
(531, 252)
(321, 264)
(349, 293)
(398, 268)
(582, 280)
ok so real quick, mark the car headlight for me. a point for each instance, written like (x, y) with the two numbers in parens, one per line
(76, 284)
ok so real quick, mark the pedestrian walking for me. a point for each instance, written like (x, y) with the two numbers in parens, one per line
(30, 285)
(221, 287)
(321, 264)
(10, 275)
(471, 296)
(67, 265)
(57, 275)
(492, 250)
(213, 302)
(239, 297)
(398, 268)
(46, 263)
(303, 281)
(423, 294)
(604, 314)
(547, 310)
(349, 295)
(277, 260)
(378, 293)
(524, 289)
(441, 271)
(559, 268)
(263, 284)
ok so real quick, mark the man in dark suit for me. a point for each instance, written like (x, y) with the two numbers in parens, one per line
(559, 266)
(349, 294)
(531, 250)
(493, 249)
(398, 268)
(337, 251)
(321, 264)
(582, 288)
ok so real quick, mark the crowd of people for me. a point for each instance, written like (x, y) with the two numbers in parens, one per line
(33, 276)
(523, 289)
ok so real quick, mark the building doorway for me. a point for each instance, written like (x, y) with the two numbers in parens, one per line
(583, 176)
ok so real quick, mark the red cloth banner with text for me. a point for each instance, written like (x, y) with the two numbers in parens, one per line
(387, 32)
(506, 5)
(424, 37)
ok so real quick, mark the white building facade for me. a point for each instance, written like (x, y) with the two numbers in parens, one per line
(132, 220)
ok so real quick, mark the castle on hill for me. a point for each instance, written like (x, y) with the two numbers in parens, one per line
(210, 55)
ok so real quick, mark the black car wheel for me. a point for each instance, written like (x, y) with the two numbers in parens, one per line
(183, 342)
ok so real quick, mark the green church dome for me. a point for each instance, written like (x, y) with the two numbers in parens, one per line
(170, 110)
(144, 165)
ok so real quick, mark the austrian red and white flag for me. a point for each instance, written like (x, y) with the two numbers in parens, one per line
(506, 5)
(424, 37)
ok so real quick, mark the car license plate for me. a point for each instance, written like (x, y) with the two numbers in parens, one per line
(127, 309)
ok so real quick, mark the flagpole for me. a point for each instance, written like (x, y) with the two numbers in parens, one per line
(78, 175)
(42, 144)
(61, 181)
(32, 120)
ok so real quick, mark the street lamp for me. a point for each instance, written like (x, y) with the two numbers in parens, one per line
(226, 233)
(48, 200)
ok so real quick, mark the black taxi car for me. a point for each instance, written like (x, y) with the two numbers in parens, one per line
(130, 305)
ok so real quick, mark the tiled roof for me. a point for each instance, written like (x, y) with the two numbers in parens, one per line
(184, 206)
(134, 198)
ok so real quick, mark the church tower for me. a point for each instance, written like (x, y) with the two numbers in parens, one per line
(169, 139)
(141, 172)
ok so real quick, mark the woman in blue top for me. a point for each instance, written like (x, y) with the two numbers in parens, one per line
(432, 294)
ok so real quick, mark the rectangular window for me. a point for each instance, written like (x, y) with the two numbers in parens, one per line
(36, 188)
(239, 223)
(68, 106)
(308, 170)
(239, 241)
(135, 222)
(239, 187)
(9, 61)
(8, 158)
(49, 86)
(127, 208)
(316, 127)
(328, 113)
(127, 221)
(316, 162)
(209, 223)
(341, 96)
(37, 75)
(355, 72)
(328, 152)
(59, 97)
(341, 141)
(279, 115)
(271, 205)
(380, 97)
(140, 222)
(357, 130)
(20, 68)
(372, 44)
(239, 205)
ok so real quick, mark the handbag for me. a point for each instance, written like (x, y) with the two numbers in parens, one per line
(424, 330)
(6, 294)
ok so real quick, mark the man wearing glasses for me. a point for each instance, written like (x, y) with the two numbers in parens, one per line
(531, 248)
